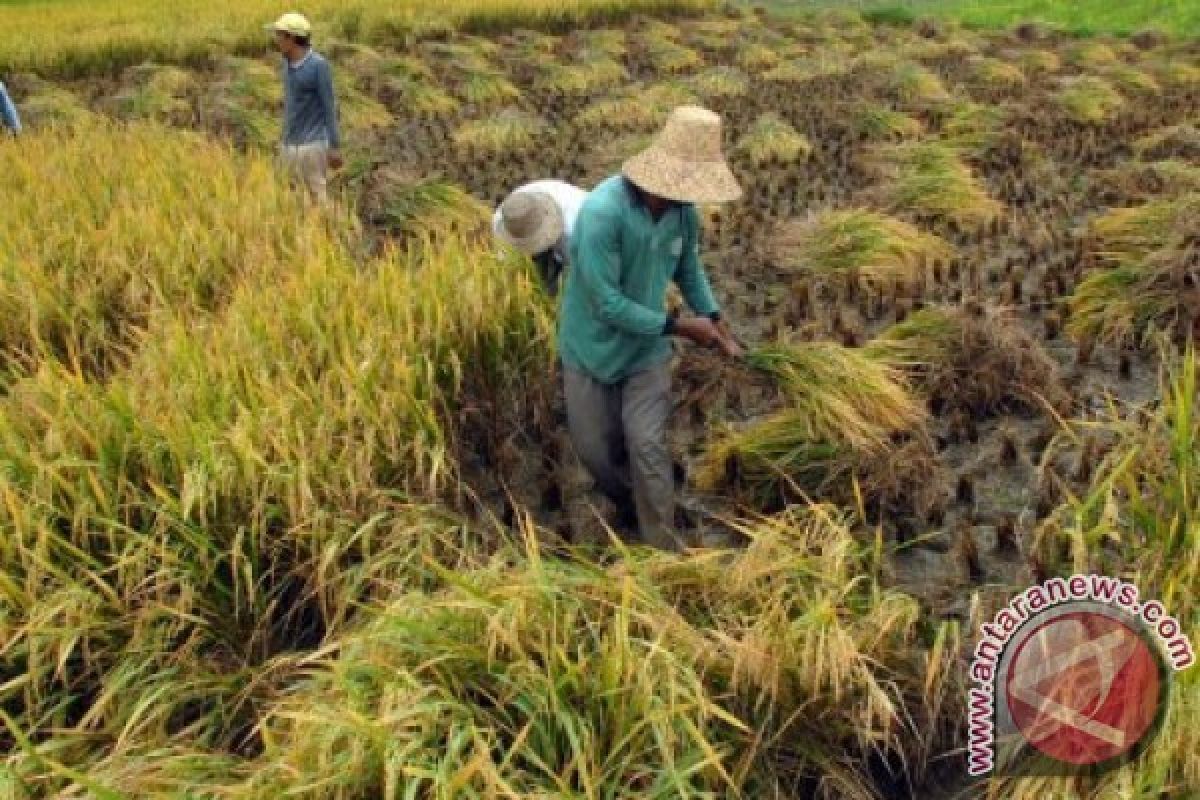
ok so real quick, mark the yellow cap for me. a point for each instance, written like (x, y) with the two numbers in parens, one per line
(293, 23)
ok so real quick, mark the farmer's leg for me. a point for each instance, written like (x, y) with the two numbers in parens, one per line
(645, 407)
(315, 166)
(594, 423)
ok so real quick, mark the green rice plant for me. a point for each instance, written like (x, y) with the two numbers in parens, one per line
(719, 83)
(977, 360)
(157, 93)
(1090, 100)
(458, 56)
(1124, 236)
(929, 179)
(993, 73)
(506, 131)
(359, 111)
(1138, 517)
(1175, 141)
(1132, 80)
(876, 123)
(857, 246)
(756, 58)
(1091, 55)
(1147, 181)
(772, 140)
(713, 35)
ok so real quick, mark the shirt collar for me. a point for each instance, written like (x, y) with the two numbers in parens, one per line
(307, 55)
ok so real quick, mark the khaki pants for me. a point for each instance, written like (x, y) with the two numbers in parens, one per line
(308, 164)
(620, 434)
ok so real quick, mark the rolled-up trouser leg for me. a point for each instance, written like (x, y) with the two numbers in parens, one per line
(645, 407)
(594, 424)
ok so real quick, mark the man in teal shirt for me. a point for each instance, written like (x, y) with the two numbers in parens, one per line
(636, 233)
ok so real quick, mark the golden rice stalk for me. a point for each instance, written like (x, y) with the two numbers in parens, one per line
(1176, 141)
(458, 57)
(928, 178)
(1131, 80)
(1125, 236)
(359, 110)
(756, 58)
(503, 132)
(419, 97)
(1040, 61)
(977, 359)
(973, 127)
(993, 73)
(842, 394)
(607, 156)
(876, 123)
(669, 58)
(588, 76)
(1146, 282)
(857, 245)
(50, 107)
(843, 414)
(610, 41)
(1092, 55)
(1090, 100)
(719, 83)
(636, 109)
(244, 102)
(1178, 74)
(157, 93)
(406, 205)
(917, 87)
(772, 140)
(484, 88)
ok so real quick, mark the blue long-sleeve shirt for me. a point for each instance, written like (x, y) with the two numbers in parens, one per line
(613, 313)
(309, 107)
(8, 111)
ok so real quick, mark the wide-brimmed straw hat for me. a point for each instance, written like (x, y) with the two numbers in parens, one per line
(685, 162)
(530, 221)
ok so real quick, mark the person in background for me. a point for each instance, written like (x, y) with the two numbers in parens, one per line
(538, 219)
(636, 233)
(8, 113)
(311, 141)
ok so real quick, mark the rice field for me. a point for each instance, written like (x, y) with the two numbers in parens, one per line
(286, 503)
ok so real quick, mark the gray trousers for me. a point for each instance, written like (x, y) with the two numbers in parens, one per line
(620, 434)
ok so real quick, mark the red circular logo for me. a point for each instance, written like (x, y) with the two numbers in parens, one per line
(1083, 688)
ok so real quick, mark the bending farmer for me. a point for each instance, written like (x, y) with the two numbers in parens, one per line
(636, 233)
(538, 219)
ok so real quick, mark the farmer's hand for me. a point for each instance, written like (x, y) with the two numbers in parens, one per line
(335, 159)
(727, 343)
(700, 330)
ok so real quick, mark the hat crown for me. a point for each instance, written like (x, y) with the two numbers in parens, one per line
(522, 214)
(692, 134)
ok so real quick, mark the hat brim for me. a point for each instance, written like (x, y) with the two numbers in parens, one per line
(665, 175)
(547, 233)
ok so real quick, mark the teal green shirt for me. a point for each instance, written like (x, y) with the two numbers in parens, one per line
(614, 304)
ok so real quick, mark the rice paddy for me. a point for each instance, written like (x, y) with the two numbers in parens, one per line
(286, 504)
